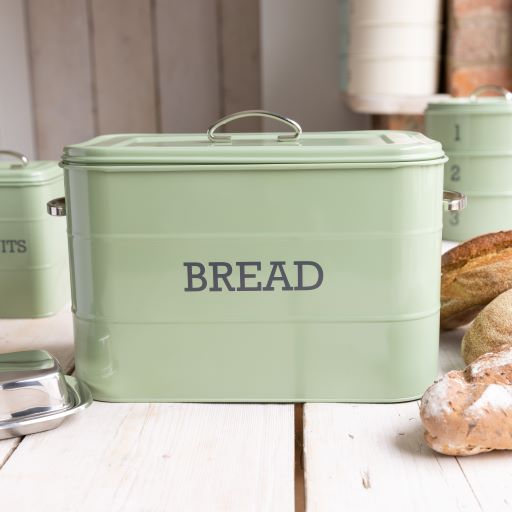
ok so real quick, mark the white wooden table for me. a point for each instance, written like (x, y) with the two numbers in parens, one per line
(218, 457)
(160, 457)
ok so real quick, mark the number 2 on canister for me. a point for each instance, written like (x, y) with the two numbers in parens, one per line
(455, 172)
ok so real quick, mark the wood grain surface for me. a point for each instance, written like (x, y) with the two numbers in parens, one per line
(61, 71)
(374, 457)
(188, 64)
(124, 73)
(16, 115)
(154, 457)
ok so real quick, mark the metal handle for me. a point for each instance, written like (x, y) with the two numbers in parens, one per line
(20, 156)
(486, 88)
(297, 130)
(57, 207)
(454, 201)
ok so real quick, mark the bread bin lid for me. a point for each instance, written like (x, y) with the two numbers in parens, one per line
(16, 169)
(475, 103)
(255, 148)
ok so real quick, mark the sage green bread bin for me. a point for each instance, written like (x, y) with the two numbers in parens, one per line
(255, 267)
(34, 276)
(476, 133)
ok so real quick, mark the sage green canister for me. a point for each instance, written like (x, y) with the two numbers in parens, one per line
(34, 277)
(476, 134)
(255, 267)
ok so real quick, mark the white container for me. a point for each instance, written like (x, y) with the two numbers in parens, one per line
(395, 40)
(395, 11)
(393, 55)
(392, 76)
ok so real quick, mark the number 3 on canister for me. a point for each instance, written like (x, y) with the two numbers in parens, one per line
(454, 218)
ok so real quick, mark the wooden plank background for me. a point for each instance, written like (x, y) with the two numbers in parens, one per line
(16, 119)
(60, 65)
(73, 69)
(187, 66)
(301, 64)
(124, 71)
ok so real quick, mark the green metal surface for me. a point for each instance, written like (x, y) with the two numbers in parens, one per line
(477, 138)
(35, 173)
(465, 130)
(467, 105)
(254, 148)
(486, 179)
(34, 275)
(368, 332)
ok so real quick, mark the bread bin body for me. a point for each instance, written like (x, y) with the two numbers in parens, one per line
(333, 288)
(476, 134)
(34, 278)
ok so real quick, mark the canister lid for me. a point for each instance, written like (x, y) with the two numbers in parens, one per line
(255, 148)
(475, 103)
(16, 169)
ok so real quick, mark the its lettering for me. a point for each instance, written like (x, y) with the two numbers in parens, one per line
(13, 246)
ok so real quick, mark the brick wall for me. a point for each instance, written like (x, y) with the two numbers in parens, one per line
(478, 52)
(411, 122)
(479, 44)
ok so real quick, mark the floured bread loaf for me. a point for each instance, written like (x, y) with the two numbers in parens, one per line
(473, 274)
(470, 411)
(491, 329)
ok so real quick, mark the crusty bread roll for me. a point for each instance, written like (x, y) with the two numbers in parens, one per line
(470, 411)
(491, 329)
(473, 274)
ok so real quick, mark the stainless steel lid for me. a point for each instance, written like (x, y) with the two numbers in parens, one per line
(35, 395)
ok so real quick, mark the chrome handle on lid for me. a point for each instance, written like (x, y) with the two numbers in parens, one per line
(454, 201)
(285, 137)
(490, 88)
(56, 207)
(20, 156)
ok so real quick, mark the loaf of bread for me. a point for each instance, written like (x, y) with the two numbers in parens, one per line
(491, 329)
(472, 275)
(470, 411)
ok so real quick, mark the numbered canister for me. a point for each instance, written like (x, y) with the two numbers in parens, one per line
(34, 278)
(476, 133)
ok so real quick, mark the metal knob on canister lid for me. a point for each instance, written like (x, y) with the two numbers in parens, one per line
(476, 133)
(19, 156)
